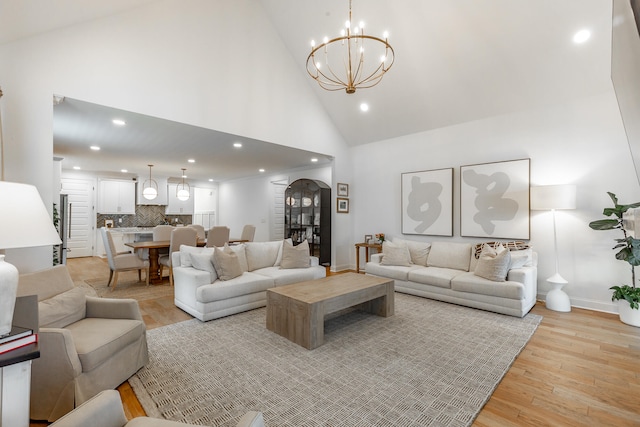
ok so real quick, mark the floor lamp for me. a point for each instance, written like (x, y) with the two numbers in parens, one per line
(552, 198)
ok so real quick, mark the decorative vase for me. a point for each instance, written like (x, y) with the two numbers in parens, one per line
(628, 315)
(8, 290)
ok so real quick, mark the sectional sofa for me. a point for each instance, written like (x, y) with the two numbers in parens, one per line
(207, 289)
(462, 273)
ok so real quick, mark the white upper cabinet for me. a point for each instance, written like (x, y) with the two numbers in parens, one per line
(176, 206)
(161, 199)
(116, 197)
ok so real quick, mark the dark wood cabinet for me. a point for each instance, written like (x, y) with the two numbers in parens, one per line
(308, 216)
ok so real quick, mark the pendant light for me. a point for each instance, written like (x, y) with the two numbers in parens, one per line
(150, 187)
(183, 190)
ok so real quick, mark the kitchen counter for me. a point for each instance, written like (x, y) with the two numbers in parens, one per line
(132, 230)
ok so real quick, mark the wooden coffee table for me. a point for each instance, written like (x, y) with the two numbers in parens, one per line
(297, 311)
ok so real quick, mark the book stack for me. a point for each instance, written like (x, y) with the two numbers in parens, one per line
(18, 337)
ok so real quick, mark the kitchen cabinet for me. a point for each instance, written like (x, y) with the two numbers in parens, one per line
(176, 206)
(116, 197)
(160, 200)
(308, 216)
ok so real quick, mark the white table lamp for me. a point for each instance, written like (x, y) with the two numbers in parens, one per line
(24, 223)
(554, 197)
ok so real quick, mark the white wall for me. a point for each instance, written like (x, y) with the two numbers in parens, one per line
(582, 143)
(181, 61)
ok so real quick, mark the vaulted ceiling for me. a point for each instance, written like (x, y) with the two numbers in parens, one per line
(456, 60)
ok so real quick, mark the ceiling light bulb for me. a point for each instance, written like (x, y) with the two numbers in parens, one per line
(76, 168)
(124, 170)
(182, 195)
(364, 107)
(191, 160)
(210, 179)
(118, 122)
(347, 24)
(361, 24)
(95, 148)
(325, 40)
(385, 35)
(237, 144)
(260, 170)
(313, 43)
(149, 193)
(314, 159)
(581, 36)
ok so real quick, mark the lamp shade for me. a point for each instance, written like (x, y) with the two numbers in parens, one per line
(24, 220)
(549, 197)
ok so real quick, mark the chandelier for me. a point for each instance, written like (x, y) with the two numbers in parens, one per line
(183, 190)
(325, 62)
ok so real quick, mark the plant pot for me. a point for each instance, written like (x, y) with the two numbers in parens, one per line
(627, 314)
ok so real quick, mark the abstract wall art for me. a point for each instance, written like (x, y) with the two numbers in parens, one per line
(427, 202)
(494, 199)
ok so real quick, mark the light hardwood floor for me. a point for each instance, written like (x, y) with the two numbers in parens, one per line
(579, 369)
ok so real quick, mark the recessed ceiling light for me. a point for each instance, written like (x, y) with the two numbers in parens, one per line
(76, 168)
(314, 159)
(237, 144)
(95, 148)
(118, 122)
(210, 179)
(124, 170)
(191, 160)
(364, 107)
(260, 170)
(581, 36)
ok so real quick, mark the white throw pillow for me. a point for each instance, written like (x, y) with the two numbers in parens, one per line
(204, 261)
(241, 251)
(262, 254)
(395, 254)
(279, 257)
(419, 251)
(522, 258)
(493, 264)
(295, 256)
(186, 251)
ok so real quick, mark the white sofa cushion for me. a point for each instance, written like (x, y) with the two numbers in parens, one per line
(395, 254)
(288, 276)
(450, 255)
(419, 251)
(435, 276)
(63, 309)
(261, 254)
(186, 251)
(472, 284)
(245, 284)
(395, 272)
(204, 261)
(493, 264)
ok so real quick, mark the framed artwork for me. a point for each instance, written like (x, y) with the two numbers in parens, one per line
(343, 190)
(427, 202)
(494, 200)
(368, 238)
(343, 205)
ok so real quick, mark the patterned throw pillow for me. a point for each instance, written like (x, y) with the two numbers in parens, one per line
(493, 264)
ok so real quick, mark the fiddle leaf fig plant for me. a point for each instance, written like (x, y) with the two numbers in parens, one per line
(628, 249)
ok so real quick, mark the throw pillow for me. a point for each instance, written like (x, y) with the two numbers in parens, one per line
(262, 254)
(419, 251)
(450, 255)
(493, 264)
(295, 256)
(395, 254)
(279, 257)
(63, 309)
(204, 261)
(186, 251)
(522, 258)
(226, 263)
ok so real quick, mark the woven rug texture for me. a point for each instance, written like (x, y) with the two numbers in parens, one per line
(431, 364)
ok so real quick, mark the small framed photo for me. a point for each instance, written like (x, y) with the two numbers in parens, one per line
(343, 205)
(343, 190)
(368, 238)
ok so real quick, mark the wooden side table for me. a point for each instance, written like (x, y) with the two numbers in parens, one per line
(366, 246)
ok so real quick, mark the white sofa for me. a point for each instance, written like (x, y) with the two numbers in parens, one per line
(200, 292)
(446, 271)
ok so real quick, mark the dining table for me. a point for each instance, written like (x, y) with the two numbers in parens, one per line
(154, 247)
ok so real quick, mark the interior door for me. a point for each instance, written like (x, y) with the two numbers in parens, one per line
(81, 232)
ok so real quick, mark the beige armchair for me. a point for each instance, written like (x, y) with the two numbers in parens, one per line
(87, 344)
(105, 410)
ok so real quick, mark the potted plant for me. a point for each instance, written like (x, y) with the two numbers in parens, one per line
(628, 249)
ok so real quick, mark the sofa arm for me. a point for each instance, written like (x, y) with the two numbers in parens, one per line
(314, 261)
(112, 308)
(53, 374)
(105, 406)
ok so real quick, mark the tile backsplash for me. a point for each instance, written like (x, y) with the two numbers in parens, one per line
(146, 216)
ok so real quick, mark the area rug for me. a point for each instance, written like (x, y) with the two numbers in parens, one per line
(128, 286)
(431, 364)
